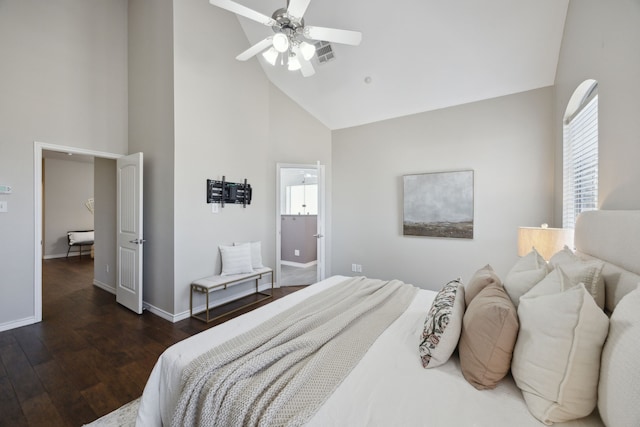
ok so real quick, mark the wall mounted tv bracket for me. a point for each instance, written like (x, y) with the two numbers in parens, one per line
(228, 192)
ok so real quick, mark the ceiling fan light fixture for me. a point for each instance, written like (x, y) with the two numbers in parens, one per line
(308, 50)
(270, 55)
(294, 63)
(281, 42)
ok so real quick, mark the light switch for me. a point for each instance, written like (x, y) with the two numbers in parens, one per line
(4, 206)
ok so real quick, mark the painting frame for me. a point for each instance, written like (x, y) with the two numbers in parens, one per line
(439, 204)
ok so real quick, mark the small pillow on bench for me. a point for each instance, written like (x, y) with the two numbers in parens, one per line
(80, 237)
(236, 259)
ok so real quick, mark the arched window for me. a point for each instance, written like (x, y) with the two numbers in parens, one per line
(580, 153)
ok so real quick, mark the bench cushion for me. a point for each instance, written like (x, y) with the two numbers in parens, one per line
(217, 280)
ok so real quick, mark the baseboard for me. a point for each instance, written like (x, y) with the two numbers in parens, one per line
(64, 255)
(299, 264)
(197, 309)
(17, 323)
(161, 313)
(104, 286)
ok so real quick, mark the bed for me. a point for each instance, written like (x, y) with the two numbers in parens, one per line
(389, 386)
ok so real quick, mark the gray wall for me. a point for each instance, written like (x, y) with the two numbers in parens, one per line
(151, 125)
(229, 120)
(297, 234)
(104, 264)
(507, 141)
(305, 142)
(64, 81)
(68, 184)
(602, 41)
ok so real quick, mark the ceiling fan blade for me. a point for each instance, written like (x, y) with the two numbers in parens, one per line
(255, 49)
(239, 9)
(333, 35)
(297, 8)
(306, 68)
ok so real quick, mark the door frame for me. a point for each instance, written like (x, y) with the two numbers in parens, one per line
(38, 147)
(321, 266)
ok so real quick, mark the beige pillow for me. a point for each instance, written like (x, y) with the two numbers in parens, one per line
(480, 280)
(556, 359)
(529, 270)
(619, 386)
(489, 331)
(566, 276)
(442, 326)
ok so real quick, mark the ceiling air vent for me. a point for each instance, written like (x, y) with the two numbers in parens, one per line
(324, 52)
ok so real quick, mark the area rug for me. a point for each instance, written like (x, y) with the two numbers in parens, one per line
(125, 416)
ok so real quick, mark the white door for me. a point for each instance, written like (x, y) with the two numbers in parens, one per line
(320, 233)
(283, 173)
(129, 228)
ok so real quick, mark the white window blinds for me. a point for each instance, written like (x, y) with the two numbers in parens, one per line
(580, 167)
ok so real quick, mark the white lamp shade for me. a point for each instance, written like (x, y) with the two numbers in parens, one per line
(294, 63)
(270, 55)
(547, 241)
(281, 42)
(308, 50)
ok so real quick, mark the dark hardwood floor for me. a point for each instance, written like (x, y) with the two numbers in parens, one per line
(88, 356)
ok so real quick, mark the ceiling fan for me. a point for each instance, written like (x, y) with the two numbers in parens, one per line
(289, 44)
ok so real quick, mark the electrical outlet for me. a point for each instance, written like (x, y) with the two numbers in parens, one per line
(108, 268)
(358, 268)
(215, 208)
(296, 252)
(354, 267)
(4, 206)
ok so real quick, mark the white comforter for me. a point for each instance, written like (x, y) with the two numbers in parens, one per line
(388, 387)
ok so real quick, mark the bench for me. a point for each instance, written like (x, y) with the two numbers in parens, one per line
(212, 283)
(79, 239)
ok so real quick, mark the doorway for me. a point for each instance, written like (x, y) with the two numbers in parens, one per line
(300, 224)
(40, 149)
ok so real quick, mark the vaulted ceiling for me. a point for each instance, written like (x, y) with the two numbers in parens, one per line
(417, 56)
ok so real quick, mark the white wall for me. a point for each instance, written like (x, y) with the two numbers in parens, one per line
(508, 142)
(64, 81)
(602, 41)
(68, 186)
(104, 264)
(228, 121)
(151, 125)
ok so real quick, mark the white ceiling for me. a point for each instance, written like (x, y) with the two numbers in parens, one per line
(420, 55)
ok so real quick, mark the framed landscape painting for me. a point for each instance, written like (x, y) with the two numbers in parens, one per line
(438, 204)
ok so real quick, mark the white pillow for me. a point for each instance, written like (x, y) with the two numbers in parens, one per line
(563, 256)
(619, 386)
(556, 359)
(566, 276)
(236, 259)
(256, 254)
(443, 325)
(79, 237)
(529, 270)
(572, 264)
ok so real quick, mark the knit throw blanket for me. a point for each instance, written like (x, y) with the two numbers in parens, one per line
(282, 371)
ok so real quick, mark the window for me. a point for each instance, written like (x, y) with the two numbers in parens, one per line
(302, 199)
(580, 153)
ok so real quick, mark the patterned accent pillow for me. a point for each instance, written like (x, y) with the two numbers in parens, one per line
(442, 326)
